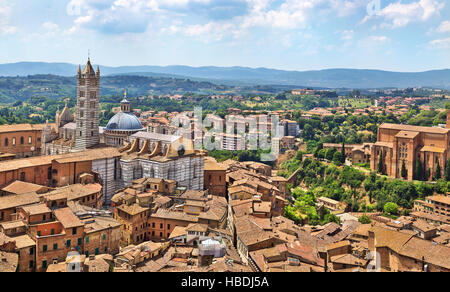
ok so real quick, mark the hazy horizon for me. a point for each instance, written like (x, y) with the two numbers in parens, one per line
(229, 66)
(294, 35)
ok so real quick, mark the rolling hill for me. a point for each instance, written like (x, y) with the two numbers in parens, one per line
(329, 78)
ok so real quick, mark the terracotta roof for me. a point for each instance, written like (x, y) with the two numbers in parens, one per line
(19, 187)
(407, 134)
(168, 214)
(401, 127)
(93, 154)
(133, 209)
(8, 262)
(338, 244)
(73, 192)
(15, 201)
(440, 199)
(177, 231)
(36, 209)
(348, 259)
(197, 227)
(12, 224)
(21, 128)
(24, 241)
(213, 166)
(67, 218)
(99, 223)
(432, 149)
(423, 225)
(432, 253)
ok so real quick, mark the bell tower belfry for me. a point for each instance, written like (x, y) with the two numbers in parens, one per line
(88, 97)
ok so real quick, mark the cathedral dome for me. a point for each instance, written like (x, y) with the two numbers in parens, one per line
(124, 122)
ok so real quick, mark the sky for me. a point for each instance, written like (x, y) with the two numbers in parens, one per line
(400, 35)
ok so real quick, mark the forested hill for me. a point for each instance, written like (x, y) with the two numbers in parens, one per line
(22, 88)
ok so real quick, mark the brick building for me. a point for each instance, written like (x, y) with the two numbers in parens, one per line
(215, 178)
(22, 140)
(398, 144)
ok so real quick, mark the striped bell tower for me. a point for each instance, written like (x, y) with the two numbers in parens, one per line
(88, 97)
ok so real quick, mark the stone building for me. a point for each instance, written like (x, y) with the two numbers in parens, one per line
(405, 144)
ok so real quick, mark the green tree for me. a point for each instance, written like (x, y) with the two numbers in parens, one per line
(329, 154)
(391, 208)
(404, 171)
(318, 148)
(437, 174)
(299, 156)
(337, 158)
(380, 163)
(418, 171)
(364, 219)
(343, 152)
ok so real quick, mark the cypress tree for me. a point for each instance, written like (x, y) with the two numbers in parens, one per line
(404, 172)
(418, 173)
(343, 153)
(437, 174)
(380, 163)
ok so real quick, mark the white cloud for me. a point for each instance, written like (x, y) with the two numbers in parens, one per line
(50, 26)
(444, 27)
(399, 14)
(346, 35)
(380, 39)
(440, 43)
(135, 16)
(5, 15)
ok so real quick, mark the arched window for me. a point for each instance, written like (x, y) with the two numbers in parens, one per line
(6, 141)
(22, 140)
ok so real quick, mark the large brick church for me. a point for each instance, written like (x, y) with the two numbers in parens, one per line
(407, 144)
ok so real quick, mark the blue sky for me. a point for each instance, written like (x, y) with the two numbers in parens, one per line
(400, 35)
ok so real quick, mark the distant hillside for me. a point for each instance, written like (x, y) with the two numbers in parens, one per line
(54, 87)
(330, 78)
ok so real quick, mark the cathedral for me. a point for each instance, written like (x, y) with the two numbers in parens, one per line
(140, 154)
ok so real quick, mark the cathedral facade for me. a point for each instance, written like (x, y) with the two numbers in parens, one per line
(138, 154)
